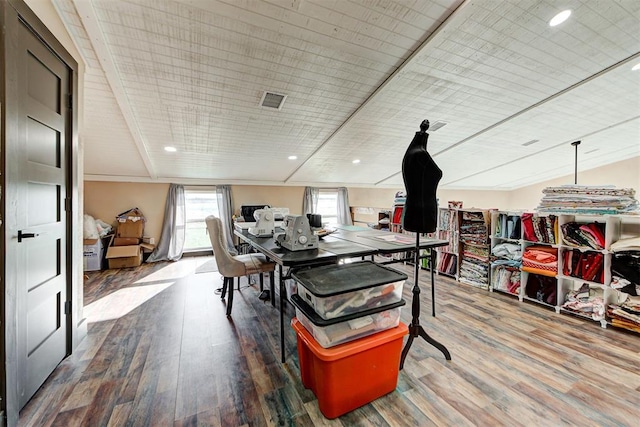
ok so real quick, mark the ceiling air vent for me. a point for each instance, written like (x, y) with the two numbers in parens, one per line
(437, 125)
(533, 141)
(272, 100)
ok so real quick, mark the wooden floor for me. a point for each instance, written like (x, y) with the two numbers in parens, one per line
(160, 352)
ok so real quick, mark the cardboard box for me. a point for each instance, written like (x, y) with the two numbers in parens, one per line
(130, 224)
(124, 256)
(125, 241)
(92, 254)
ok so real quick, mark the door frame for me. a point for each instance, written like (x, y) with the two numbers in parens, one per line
(14, 13)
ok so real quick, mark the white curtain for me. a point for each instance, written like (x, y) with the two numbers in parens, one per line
(344, 211)
(225, 208)
(310, 200)
(171, 241)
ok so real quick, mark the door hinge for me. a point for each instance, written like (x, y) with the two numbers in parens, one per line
(67, 204)
(67, 307)
(70, 101)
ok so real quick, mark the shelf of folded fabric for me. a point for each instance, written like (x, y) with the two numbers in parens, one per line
(583, 299)
(447, 264)
(505, 277)
(593, 231)
(625, 314)
(540, 259)
(540, 289)
(539, 228)
(474, 271)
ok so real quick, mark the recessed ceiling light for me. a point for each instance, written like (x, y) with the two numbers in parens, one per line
(292, 157)
(636, 67)
(560, 18)
(170, 149)
(356, 161)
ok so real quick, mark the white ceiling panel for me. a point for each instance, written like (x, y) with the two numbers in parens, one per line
(359, 76)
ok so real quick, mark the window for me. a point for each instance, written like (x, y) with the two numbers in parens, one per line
(200, 203)
(328, 206)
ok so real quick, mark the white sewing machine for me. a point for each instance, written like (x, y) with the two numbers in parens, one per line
(297, 234)
(265, 223)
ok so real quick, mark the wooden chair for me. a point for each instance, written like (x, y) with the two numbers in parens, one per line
(231, 266)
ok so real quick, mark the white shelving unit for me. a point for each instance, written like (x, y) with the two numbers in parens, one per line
(563, 282)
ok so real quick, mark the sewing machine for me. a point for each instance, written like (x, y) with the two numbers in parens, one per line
(265, 223)
(297, 234)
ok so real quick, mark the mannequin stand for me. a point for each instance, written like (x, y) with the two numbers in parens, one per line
(415, 329)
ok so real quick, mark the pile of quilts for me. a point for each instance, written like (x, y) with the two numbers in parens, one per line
(539, 228)
(587, 301)
(585, 199)
(590, 235)
(540, 259)
(625, 272)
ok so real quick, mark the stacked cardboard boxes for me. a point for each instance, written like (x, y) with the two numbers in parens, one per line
(127, 247)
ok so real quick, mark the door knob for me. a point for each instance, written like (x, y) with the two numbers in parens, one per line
(22, 235)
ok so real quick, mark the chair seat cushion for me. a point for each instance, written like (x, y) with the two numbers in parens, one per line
(256, 263)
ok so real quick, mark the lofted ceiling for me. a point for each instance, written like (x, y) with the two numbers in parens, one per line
(359, 76)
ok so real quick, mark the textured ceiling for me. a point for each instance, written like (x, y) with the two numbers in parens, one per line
(359, 76)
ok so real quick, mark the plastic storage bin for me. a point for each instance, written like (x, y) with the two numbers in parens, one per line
(338, 290)
(353, 374)
(329, 333)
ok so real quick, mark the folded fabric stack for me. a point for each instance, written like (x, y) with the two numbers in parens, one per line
(506, 278)
(539, 228)
(474, 272)
(586, 199)
(541, 260)
(583, 265)
(625, 265)
(508, 226)
(587, 301)
(591, 235)
(625, 315)
(507, 252)
(479, 252)
(541, 288)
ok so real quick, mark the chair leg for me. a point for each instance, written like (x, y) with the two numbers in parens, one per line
(230, 300)
(225, 282)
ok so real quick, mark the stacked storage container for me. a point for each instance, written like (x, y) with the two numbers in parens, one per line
(349, 333)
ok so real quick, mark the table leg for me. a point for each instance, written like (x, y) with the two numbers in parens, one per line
(282, 297)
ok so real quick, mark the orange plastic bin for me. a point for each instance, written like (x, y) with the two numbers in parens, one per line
(352, 374)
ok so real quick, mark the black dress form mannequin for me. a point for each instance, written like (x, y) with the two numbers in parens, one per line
(421, 176)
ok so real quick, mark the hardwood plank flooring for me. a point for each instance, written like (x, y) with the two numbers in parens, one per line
(160, 351)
